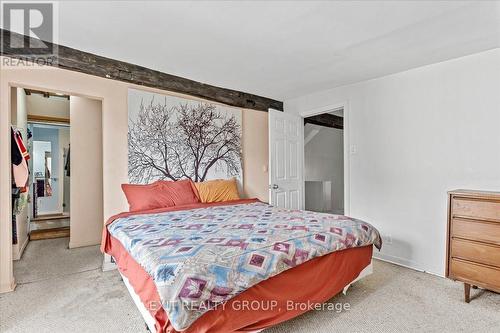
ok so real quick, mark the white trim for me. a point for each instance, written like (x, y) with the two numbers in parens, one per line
(397, 261)
(72, 244)
(347, 156)
(17, 256)
(270, 161)
(310, 136)
(303, 158)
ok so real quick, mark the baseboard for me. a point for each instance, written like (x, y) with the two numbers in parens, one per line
(398, 261)
(72, 245)
(436, 274)
(19, 255)
(7, 287)
(403, 263)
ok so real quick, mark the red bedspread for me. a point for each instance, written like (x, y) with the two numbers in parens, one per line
(268, 303)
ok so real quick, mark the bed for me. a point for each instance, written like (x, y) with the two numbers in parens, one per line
(237, 266)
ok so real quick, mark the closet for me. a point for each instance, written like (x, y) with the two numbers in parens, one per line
(20, 156)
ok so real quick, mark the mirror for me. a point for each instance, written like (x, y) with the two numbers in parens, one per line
(42, 166)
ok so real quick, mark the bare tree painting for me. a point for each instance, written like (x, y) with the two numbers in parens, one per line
(174, 138)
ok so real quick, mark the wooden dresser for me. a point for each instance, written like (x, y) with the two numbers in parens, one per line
(473, 242)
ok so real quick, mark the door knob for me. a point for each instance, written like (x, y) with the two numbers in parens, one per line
(275, 187)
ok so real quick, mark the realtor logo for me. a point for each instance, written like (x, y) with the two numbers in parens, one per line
(32, 19)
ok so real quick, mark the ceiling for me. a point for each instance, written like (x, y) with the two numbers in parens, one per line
(280, 49)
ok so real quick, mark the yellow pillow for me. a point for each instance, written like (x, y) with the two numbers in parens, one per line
(217, 190)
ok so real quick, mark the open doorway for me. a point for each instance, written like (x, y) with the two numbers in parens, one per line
(50, 185)
(40, 123)
(324, 161)
(57, 203)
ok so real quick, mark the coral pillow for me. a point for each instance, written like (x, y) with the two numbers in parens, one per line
(217, 190)
(144, 197)
(181, 192)
(160, 194)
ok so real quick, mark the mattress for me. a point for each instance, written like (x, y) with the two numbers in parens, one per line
(266, 255)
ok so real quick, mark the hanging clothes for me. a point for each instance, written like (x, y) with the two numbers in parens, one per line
(20, 171)
(40, 188)
(47, 173)
(15, 196)
(20, 203)
(67, 165)
(22, 147)
(15, 154)
(25, 154)
(48, 188)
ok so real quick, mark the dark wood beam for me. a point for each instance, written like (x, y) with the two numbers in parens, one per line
(75, 60)
(326, 119)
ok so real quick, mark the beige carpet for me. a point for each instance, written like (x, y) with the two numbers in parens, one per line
(65, 290)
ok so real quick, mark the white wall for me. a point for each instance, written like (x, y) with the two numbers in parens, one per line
(418, 134)
(56, 107)
(255, 153)
(86, 172)
(324, 161)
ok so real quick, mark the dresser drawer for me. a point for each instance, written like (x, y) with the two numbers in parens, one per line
(484, 276)
(476, 208)
(477, 252)
(475, 230)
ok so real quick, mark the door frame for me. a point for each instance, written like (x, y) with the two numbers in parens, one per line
(347, 162)
(59, 122)
(6, 258)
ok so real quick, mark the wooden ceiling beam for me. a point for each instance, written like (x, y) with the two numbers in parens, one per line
(327, 120)
(79, 61)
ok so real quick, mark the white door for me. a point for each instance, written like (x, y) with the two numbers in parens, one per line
(286, 153)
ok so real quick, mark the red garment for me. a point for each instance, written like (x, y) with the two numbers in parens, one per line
(22, 147)
(21, 172)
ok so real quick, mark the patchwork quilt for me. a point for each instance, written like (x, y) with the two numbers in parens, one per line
(199, 258)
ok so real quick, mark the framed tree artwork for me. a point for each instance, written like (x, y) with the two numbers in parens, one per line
(171, 138)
